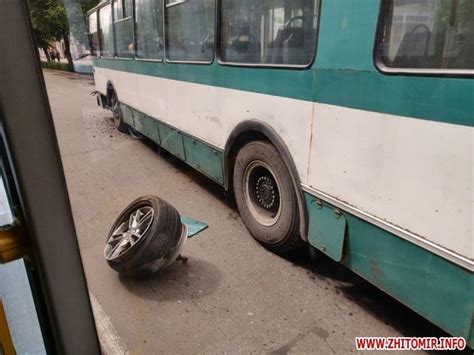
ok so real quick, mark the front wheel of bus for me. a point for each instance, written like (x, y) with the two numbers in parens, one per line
(266, 197)
(117, 113)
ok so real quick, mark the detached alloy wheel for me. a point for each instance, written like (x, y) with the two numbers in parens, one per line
(266, 198)
(147, 235)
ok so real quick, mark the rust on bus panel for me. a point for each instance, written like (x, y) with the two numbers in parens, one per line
(374, 267)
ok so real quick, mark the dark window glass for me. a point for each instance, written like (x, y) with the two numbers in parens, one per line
(106, 36)
(93, 35)
(123, 21)
(428, 34)
(149, 28)
(190, 30)
(273, 32)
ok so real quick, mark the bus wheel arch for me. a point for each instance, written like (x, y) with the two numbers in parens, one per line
(254, 130)
(110, 91)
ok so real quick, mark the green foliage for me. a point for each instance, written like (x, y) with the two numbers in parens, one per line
(448, 13)
(49, 20)
(77, 12)
(86, 5)
(56, 66)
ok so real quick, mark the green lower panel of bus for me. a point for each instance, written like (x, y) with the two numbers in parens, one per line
(147, 126)
(194, 152)
(127, 114)
(171, 140)
(432, 286)
(204, 158)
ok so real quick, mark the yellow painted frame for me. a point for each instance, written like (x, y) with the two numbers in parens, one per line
(6, 342)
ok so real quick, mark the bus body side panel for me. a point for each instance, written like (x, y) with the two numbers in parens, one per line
(210, 112)
(194, 108)
(435, 288)
(183, 105)
(409, 172)
(152, 94)
(124, 84)
(398, 148)
(290, 118)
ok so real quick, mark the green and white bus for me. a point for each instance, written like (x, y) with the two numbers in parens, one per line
(344, 124)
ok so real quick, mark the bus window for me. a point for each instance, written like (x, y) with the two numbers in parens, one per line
(149, 29)
(190, 30)
(277, 32)
(434, 34)
(93, 36)
(123, 28)
(106, 38)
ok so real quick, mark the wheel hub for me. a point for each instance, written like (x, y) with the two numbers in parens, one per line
(265, 190)
(129, 232)
(262, 193)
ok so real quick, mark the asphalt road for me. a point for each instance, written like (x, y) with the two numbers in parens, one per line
(233, 295)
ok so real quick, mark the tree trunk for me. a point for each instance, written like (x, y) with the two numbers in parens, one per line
(46, 53)
(67, 52)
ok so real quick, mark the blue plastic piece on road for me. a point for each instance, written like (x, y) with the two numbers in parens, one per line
(194, 227)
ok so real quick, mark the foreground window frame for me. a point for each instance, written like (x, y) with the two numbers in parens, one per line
(384, 18)
(223, 62)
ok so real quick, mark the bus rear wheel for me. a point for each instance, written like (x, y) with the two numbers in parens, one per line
(266, 198)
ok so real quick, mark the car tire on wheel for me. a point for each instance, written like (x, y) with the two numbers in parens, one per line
(146, 236)
(266, 197)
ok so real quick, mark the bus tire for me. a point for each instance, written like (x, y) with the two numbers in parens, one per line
(134, 133)
(117, 113)
(314, 254)
(266, 197)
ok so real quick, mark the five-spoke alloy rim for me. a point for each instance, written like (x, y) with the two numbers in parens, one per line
(129, 232)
